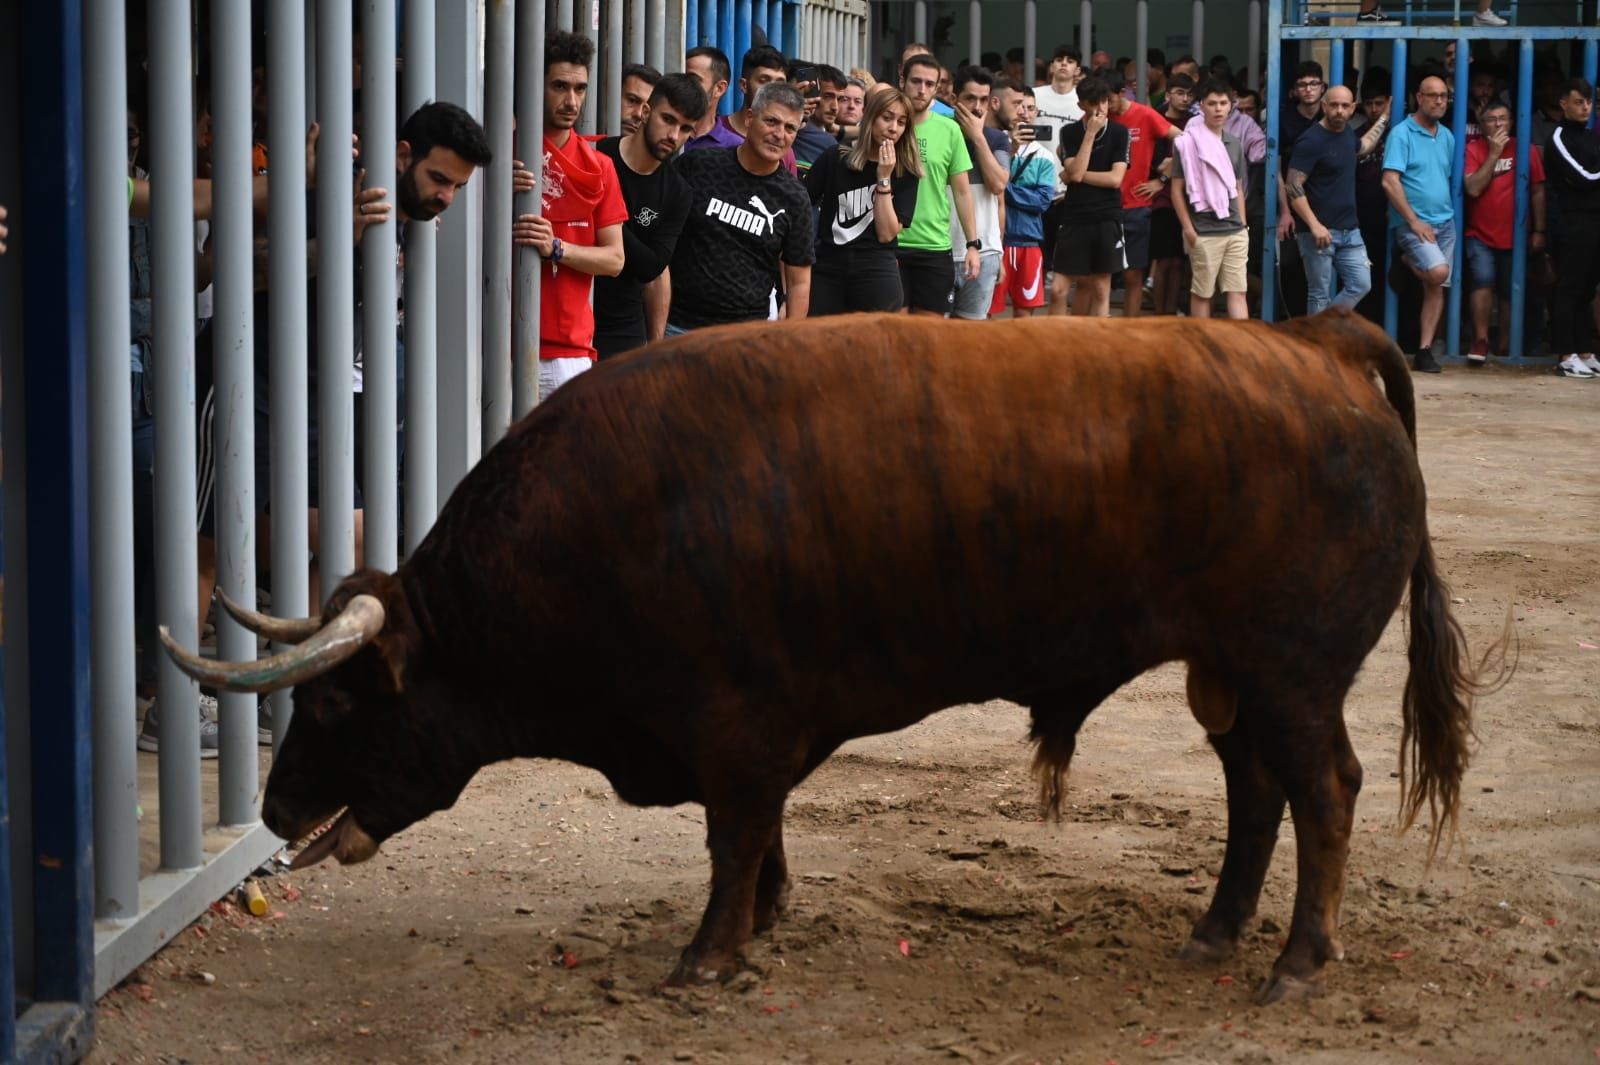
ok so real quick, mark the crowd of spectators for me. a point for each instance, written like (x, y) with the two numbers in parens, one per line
(971, 192)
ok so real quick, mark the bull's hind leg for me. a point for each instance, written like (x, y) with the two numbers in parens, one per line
(1318, 770)
(1255, 809)
(772, 884)
(741, 832)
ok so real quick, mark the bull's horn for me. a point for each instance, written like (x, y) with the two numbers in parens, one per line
(279, 630)
(336, 641)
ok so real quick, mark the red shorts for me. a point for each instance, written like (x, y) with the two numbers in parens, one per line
(1024, 279)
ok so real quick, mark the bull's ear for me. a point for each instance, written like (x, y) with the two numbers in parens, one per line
(390, 652)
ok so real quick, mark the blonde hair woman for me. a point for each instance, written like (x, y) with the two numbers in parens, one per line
(868, 193)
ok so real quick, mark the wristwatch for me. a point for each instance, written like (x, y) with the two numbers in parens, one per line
(976, 245)
(883, 183)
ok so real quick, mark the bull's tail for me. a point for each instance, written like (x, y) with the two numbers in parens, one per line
(1436, 711)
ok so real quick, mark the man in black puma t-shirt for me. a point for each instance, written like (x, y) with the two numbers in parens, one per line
(630, 310)
(748, 218)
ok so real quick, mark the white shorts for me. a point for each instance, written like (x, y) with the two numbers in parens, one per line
(553, 373)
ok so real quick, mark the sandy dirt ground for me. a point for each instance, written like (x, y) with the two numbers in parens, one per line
(935, 917)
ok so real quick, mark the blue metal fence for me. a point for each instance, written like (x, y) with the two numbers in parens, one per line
(1290, 22)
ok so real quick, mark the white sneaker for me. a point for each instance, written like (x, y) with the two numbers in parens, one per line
(1488, 18)
(1590, 361)
(1574, 366)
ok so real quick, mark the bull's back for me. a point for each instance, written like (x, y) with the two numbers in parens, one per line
(961, 509)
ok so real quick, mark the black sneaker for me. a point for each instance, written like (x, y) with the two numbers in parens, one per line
(1426, 363)
(1376, 17)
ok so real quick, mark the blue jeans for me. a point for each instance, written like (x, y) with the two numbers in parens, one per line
(1346, 254)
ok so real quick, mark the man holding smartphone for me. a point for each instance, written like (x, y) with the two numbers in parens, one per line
(1029, 193)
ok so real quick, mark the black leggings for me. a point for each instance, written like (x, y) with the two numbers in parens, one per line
(1578, 266)
(850, 280)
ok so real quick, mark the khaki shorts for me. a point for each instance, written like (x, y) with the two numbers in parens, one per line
(1219, 262)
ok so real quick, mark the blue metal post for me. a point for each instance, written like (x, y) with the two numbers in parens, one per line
(741, 10)
(1519, 232)
(691, 24)
(774, 24)
(55, 328)
(727, 41)
(1589, 56)
(1335, 63)
(1269, 172)
(1458, 126)
(1397, 115)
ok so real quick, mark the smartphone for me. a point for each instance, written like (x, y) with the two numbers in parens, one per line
(806, 74)
(1043, 131)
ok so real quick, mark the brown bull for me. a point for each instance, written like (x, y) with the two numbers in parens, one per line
(701, 569)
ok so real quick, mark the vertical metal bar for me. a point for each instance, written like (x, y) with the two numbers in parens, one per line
(1141, 49)
(309, 28)
(612, 44)
(1197, 32)
(116, 768)
(1086, 30)
(234, 502)
(738, 39)
(1272, 102)
(460, 266)
(380, 372)
(530, 105)
(16, 949)
(919, 23)
(500, 21)
(636, 40)
(172, 253)
(564, 14)
(336, 549)
(691, 27)
(1397, 115)
(975, 30)
(1335, 63)
(1253, 36)
(656, 33)
(1519, 231)
(1030, 38)
(1589, 69)
(287, 305)
(589, 19)
(773, 24)
(1458, 127)
(422, 403)
(55, 327)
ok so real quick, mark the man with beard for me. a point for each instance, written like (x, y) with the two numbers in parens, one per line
(638, 82)
(821, 131)
(1322, 191)
(1417, 165)
(749, 220)
(578, 230)
(630, 310)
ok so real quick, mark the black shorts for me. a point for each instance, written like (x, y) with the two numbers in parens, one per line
(1086, 248)
(928, 279)
(1052, 226)
(1136, 236)
(1166, 235)
(863, 279)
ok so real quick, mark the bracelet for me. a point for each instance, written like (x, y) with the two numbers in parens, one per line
(556, 250)
(881, 191)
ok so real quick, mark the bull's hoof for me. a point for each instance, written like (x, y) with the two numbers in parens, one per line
(700, 971)
(1281, 988)
(1205, 952)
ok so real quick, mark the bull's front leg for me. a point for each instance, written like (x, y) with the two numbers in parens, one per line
(740, 836)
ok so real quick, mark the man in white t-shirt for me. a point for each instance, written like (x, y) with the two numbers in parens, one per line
(1058, 105)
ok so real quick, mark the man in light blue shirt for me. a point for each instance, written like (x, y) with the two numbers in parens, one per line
(1416, 178)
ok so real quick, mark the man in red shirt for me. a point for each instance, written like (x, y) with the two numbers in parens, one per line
(578, 231)
(1491, 218)
(1145, 126)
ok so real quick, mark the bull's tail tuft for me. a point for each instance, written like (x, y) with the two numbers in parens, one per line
(1436, 736)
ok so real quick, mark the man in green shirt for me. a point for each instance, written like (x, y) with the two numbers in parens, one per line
(926, 265)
